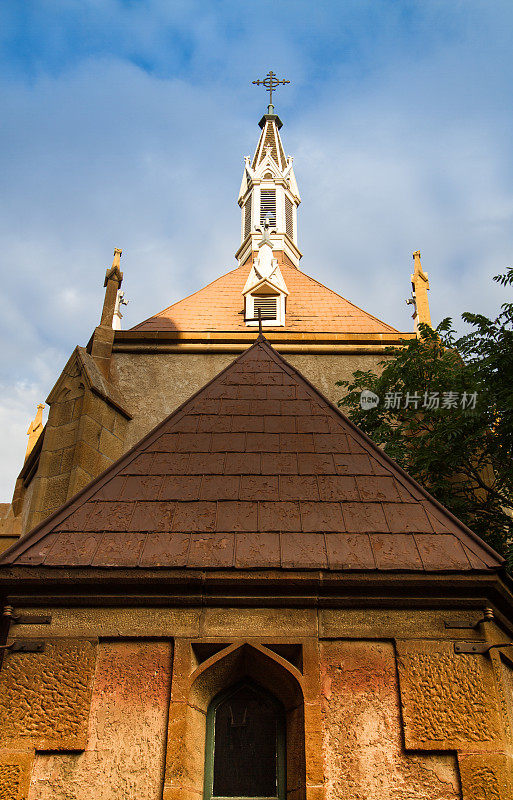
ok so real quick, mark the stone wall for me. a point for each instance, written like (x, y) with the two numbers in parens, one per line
(123, 757)
(83, 436)
(10, 526)
(379, 706)
(365, 756)
(155, 385)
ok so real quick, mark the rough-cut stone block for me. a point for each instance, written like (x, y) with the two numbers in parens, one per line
(312, 793)
(15, 767)
(50, 463)
(448, 699)
(179, 793)
(55, 492)
(120, 425)
(45, 697)
(62, 412)
(87, 457)
(486, 777)
(253, 622)
(103, 463)
(77, 480)
(364, 756)
(124, 757)
(66, 459)
(61, 437)
(185, 746)
(313, 743)
(110, 445)
(90, 431)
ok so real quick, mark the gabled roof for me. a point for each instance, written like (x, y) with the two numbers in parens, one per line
(311, 307)
(257, 470)
(82, 362)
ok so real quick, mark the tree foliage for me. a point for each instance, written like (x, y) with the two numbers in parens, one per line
(462, 450)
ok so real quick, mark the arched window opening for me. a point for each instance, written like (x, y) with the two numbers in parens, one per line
(245, 745)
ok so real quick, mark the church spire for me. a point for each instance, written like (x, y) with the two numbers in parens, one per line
(269, 190)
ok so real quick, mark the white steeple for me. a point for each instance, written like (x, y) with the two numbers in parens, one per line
(269, 192)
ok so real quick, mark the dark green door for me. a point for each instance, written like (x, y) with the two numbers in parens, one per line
(245, 745)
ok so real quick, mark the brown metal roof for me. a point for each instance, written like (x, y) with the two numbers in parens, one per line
(257, 470)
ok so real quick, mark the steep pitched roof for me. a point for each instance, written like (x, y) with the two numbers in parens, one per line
(257, 470)
(270, 138)
(311, 307)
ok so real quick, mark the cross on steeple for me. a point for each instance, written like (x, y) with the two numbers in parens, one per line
(270, 83)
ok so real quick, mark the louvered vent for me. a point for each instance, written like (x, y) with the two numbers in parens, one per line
(268, 206)
(267, 305)
(289, 218)
(247, 217)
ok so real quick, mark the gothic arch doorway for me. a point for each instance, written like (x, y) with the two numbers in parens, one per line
(195, 698)
(245, 755)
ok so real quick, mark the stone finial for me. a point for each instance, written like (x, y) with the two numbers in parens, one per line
(103, 336)
(112, 283)
(420, 288)
(34, 429)
(115, 271)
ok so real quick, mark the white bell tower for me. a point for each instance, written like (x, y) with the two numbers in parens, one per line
(269, 192)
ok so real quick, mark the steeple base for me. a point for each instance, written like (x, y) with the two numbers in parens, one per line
(281, 243)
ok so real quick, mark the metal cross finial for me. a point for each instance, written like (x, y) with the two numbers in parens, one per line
(271, 82)
(258, 319)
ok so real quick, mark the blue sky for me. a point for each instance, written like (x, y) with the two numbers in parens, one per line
(125, 124)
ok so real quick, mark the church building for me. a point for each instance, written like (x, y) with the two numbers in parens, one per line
(214, 585)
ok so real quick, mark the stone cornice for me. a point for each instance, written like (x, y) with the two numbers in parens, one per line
(238, 341)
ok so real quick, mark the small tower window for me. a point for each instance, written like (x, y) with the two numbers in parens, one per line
(289, 217)
(268, 307)
(268, 206)
(245, 745)
(247, 217)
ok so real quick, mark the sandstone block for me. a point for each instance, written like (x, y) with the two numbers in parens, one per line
(45, 697)
(448, 700)
(15, 767)
(486, 777)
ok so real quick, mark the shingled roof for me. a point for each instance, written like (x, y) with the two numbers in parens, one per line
(257, 470)
(311, 307)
